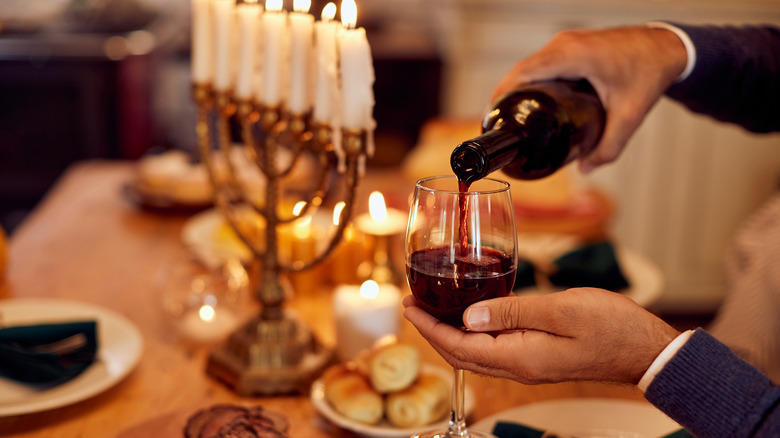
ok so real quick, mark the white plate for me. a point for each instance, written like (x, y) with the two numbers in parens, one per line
(608, 417)
(119, 350)
(205, 235)
(645, 279)
(383, 429)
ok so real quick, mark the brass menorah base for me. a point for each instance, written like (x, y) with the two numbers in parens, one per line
(270, 357)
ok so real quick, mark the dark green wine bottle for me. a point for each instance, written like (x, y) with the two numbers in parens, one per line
(532, 132)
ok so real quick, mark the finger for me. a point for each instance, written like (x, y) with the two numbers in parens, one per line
(444, 338)
(521, 356)
(431, 328)
(533, 69)
(451, 343)
(526, 356)
(622, 121)
(517, 313)
(408, 301)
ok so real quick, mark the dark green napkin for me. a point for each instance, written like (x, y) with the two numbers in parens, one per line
(592, 265)
(524, 276)
(682, 433)
(47, 353)
(504, 429)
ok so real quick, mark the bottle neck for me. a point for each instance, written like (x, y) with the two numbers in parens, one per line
(476, 158)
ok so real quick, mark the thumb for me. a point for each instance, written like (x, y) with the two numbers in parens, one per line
(513, 313)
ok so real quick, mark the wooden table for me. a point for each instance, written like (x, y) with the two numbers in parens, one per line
(86, 242)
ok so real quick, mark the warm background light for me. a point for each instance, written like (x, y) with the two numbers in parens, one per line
(329, 12)
(377, 207)
(337, 212)
(369, 289)
(274, 5)
(298, 208)
(349, 14)
(301, 5)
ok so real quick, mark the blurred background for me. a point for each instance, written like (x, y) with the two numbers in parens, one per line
(85, 79)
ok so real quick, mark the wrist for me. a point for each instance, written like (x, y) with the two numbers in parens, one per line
(680, 61)
(662, 359)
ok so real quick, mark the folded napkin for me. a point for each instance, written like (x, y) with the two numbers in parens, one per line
(505, 429)
(592, 265)
(682, 433)
(47, 353)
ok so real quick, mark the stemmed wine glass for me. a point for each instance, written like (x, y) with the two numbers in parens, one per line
(460, 249)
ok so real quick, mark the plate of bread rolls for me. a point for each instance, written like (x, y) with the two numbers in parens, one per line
(386, 392)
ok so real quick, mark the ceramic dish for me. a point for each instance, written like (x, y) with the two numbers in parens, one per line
(119, 350)
(383, 429)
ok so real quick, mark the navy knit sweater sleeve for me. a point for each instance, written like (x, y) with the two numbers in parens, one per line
(714, 394)
(736, 77)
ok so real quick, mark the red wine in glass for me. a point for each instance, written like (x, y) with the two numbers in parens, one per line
(445, 287)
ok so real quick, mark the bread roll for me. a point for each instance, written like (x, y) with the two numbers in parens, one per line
(391, 367)
(348, 391)
(426, 401)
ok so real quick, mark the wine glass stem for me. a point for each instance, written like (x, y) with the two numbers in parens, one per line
(458, 419)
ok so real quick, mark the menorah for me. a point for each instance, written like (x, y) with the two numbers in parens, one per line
(274, 352)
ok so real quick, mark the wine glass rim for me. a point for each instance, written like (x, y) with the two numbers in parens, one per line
(420, 185)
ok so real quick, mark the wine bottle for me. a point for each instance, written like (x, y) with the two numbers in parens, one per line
(532, 132)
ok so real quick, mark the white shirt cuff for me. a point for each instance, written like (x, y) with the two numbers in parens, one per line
(660, 362)
(690, 49)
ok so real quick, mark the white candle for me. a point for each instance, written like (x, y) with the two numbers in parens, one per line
(257, 80)
(363, 315)
(248, 20)
(275, 52)
(380, 220)
(357, 72)
(202, 62)
(301, 39)
(224, 19)
(207, 323)
(327, 88)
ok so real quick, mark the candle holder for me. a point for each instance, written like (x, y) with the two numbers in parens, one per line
(381, 268)
(382, 226)
(274, 352)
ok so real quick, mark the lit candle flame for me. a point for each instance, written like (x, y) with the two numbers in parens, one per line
(206, 312)
(328, 12)
(369, 289)
(274, 5)
(349, 14)
(376, 207)
(298, 208)
(301, 6)
(337, 211)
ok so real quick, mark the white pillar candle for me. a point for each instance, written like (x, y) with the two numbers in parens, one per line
(380, 220)
(257, 80)
(275, 52)
(202, 62)
(248, 20)
(207, 323)
(357, 72)
(224, 20)
(301, 45)
(327, 66)
(363, 315)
